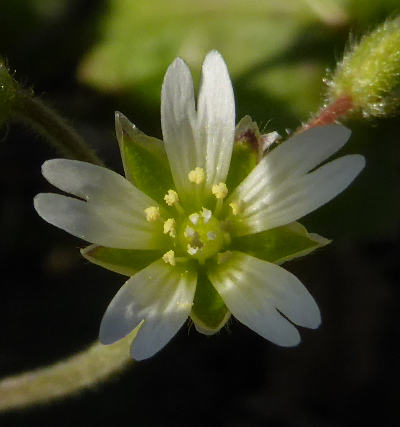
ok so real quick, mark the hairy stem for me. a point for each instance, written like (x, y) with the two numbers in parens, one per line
(98, 362)
(67, 377)
(52, 127)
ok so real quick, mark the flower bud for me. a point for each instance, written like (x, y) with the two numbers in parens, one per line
(369, 73)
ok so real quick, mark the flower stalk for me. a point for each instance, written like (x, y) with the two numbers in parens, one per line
(67, 377)
(330, 114)
(56, 130)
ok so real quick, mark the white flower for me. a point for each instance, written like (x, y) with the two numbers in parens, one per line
(195, 229)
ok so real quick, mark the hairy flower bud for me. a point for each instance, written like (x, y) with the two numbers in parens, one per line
(369, 73)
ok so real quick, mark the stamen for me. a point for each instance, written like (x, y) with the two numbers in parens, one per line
(169, 257)
(171, 197)
(169, 227)
(220, 190)
(194, 218)
(197, 175)
(189, 232)
(191, 250)
(206, 214)
(152, 213)
(235, 207)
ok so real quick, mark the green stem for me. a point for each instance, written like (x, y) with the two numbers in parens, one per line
(52, 127)
(83, 370)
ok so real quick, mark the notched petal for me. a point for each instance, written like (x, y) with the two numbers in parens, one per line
(161, 296)
(254, 291)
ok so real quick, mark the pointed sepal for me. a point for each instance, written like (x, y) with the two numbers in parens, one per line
(123, 261)
(249, 148)
(144, 159)
(209, 312)
(280, 244)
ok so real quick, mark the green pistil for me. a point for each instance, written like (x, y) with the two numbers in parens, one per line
(200, 236)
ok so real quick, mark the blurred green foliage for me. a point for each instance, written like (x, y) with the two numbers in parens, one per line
(276, 50)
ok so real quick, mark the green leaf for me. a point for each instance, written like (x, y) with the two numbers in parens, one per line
(280, 244)
(123, 261)
(209, 312)
(144, 158)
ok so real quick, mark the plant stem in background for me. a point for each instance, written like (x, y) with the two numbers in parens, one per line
(35, 113)
(70, 376)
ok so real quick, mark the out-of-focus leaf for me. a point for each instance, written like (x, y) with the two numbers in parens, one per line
(298, 85)
(138, 40)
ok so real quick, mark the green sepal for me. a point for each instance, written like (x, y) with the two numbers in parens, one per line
(245, 152)
(123, 261)
(209, 312)
(280, 244)
(144, 158)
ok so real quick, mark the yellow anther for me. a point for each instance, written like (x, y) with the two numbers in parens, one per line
(220, 190)
(169, 257)
(171, 197)
(152, 213)
(197, 175)
(169, 227)
(235, 207)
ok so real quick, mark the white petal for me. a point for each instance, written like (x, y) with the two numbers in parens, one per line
(203, 139)
(299, 197)
(279, 191)
(101, 225)
(254, 290)
(291, 159)
(113, 214)
(177, 114)
(216, 118)
(162, 296)
(97, 185)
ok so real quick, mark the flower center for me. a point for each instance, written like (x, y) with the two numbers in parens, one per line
(200, 235)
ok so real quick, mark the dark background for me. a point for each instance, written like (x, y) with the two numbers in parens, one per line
(344, 374)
